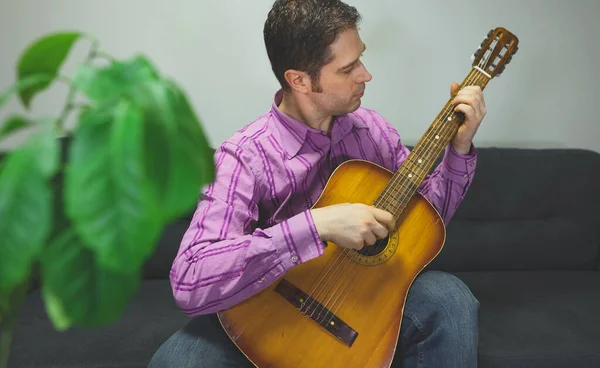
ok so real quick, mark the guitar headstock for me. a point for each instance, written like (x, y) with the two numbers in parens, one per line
(496, 50)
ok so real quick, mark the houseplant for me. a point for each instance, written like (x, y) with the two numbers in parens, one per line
(134, 160)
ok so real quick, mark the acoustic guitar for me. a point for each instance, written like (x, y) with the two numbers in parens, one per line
(344, 309)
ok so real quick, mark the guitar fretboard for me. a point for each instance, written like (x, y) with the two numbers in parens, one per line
(413, 171)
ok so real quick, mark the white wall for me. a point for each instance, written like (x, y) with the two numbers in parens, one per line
(545, 98)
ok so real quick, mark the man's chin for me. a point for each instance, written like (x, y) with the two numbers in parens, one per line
(349, 110)
(352, 106)
(355, 106)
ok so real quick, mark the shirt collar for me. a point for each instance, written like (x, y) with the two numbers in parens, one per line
(293, 132)
(347, 122)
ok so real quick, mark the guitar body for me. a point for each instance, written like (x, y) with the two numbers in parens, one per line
(342, 309)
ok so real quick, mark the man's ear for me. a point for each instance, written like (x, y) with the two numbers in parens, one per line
(298, 81)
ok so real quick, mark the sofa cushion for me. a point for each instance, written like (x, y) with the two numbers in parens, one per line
(527, 319)
(131, 341)
(527, 210)
(537, 318)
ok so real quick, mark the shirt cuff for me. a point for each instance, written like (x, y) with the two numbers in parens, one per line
(299, 239)
(457, 167)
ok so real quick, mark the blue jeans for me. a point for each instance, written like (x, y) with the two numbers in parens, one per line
(439, 329)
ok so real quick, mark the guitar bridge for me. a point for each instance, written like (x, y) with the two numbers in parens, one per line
(315, 311)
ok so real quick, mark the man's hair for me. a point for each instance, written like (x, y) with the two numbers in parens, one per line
(298, 34)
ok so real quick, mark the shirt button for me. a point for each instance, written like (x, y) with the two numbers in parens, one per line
(465, 176)
(262, 279)
(294, 258)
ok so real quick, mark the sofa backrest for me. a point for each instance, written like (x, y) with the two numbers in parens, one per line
(527, 209)
(159, 264)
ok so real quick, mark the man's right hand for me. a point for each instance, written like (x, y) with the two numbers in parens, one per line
(352, 225)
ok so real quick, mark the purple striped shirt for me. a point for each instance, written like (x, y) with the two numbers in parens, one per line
(253, 223)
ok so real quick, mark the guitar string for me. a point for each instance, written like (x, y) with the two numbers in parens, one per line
(311, 294)
(345, 291)
(472, 79)
(344, 254)
(477, 80)
(349, 260)
(441, 126)
(344, 283)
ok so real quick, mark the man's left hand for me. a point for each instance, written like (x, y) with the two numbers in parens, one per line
(469, 101)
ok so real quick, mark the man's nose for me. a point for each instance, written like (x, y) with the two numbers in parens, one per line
(365, 75)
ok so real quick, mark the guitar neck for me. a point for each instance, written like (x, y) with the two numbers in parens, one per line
(426, 152)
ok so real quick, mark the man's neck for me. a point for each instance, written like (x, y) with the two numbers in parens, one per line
(301, 110)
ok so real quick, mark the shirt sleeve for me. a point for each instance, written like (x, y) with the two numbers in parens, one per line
(224, 257)
(449, 182)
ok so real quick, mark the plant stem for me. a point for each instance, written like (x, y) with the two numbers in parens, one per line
(6, 330)
(65, 79)
(105, 55)
(60, 123)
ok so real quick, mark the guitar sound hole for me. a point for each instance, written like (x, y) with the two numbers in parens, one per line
(375, 249)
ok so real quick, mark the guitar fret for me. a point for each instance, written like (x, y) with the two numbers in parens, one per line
(415, 168)
(398, 198)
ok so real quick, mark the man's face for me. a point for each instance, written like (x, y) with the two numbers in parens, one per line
(342, 81)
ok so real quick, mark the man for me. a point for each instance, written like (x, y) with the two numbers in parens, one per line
(255, 221)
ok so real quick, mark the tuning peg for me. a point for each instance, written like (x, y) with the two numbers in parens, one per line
(475, 54)
(490, 32)
(500, 71)
(509, 59)
(516, 49)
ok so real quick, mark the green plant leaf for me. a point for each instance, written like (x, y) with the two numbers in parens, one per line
(192, 151)
(17, 123)
(25, 207)
(179, 158)
(107, 194)
(44, 56)
(26, 83)
(12, 124)
(101, 83)
(77, 290)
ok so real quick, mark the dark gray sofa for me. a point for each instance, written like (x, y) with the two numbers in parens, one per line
(526, 240)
